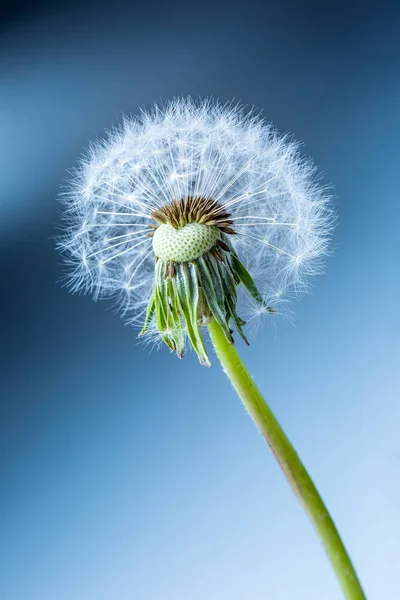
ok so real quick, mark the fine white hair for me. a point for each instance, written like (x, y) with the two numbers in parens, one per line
(280, 213)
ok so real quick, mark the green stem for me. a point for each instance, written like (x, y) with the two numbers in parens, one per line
(289, 461)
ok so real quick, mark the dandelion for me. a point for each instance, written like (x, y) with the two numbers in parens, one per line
(199, 216)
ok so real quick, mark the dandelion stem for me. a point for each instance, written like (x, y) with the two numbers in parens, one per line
(289, 462)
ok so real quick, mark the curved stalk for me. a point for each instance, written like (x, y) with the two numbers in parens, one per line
(289, 462)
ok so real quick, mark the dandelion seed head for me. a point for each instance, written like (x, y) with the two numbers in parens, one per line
(279, 216)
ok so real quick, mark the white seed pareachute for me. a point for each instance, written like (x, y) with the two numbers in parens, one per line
(233, 180)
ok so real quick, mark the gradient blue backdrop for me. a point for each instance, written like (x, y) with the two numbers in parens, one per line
(127, 474)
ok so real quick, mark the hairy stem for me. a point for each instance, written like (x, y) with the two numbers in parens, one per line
(289, 462)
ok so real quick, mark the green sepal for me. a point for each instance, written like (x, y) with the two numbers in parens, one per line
(215, 276)
(164, 318)
(151, 307)
(207, 284)
(244, 276)
(204, 314)
(228, 279)
(237, 320)
(230, 299)
(187, 293)
(174, 319)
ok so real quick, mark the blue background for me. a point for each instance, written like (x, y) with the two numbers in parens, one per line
(127, 474)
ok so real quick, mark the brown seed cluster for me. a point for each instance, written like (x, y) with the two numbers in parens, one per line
(194, 209)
